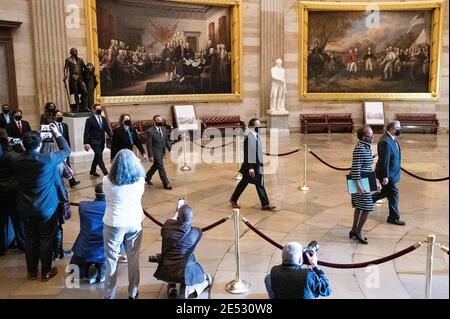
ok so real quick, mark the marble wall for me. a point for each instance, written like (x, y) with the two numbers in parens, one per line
(30, 93)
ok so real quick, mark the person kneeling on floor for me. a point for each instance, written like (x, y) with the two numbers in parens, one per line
(178, 263)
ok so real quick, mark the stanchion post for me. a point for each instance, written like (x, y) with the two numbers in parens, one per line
(237, 286)
(238, 176)
(429, 271)
(185, 167)
(304, 187)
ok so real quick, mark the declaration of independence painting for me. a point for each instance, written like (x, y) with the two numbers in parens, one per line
(149, 47)
(349, 52)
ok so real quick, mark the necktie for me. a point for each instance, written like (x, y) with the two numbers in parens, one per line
(99, 119)
(60, 128)
(130, 137)
(20, 127)
(160, 132)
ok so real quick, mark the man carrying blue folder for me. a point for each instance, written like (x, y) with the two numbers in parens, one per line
(388, 170)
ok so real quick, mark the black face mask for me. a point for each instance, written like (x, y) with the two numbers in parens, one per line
(5, 111)
(398, 132)
(127, 122)
(257, 129)
(59, 119)
(159, 124)
(18, 117)
(52, 111)
(98, 112)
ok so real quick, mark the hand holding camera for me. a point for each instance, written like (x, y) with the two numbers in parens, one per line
(310, 253)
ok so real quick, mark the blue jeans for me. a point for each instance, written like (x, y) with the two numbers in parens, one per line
(113, 237)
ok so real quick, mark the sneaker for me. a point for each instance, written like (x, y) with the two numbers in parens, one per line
(209, 279)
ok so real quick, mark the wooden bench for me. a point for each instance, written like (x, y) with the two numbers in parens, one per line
(222, 122)
(327, 121)
(414, 120)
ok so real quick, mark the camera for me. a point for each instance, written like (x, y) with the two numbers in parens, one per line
(46, 134)
(155, 258)
(313, 247)
(15, 141)
(45, 128)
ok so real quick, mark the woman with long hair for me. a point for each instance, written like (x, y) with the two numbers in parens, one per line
(123, 189)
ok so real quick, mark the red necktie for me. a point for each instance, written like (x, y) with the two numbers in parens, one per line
(20, 127)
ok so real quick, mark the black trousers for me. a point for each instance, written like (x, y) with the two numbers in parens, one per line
(158, 165)
(8, 210)
(40, 236)
(98, 158)
(391, 192)
(259, 189)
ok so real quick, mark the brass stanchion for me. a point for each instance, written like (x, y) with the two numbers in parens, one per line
(305, 187)
(185, 167)
(429, 272)
(238, 176)
(237, 286)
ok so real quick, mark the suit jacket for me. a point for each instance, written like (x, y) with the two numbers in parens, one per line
(93, 133)
(89, 243)
(3, 119)
(65, 131)
(178, 263)
(253, 156)
(13, 130)
(40, 187)
(389, 158)
(120, 140)
(157, 144)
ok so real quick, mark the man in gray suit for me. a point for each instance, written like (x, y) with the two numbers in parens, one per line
(157, 141)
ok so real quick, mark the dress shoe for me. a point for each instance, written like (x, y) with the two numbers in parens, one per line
(74, 183)
(361, 239)
(32, 276)
(95, 174)
(352, 234)
(168, 187)
(105, 172)
(50, 274)
(396, 222)
(148, 182)
(268, 207)
(234, 204)
(171, 290)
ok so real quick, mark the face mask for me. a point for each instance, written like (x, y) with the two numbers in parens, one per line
(257, 129)
(369, 139)
(398, 132)
(159, 124)
(5, 111)
(18, 117)
(59, 119)
(127, 122)
(98, 112)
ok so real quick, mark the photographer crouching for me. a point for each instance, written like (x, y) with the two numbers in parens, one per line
(290, 281)
(177, 262)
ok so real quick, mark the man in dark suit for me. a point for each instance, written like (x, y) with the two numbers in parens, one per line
(39, 192)
(88, 251)
(388, 170)
(94, 137)
(125, 136)
(157, 142)
(63, 128)
(252, 167)
(5, 116)
(18, 127)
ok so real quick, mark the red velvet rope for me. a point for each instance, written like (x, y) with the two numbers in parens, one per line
(341, 266)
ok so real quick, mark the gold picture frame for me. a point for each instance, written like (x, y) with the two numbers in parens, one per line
(437, 20)
(236, 94)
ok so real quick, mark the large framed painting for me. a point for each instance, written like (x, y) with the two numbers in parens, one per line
(372, 50)
(153, 51)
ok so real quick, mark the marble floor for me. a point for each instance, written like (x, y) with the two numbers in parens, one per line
(323, 214)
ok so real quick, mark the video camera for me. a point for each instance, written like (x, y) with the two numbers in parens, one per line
(46, 133)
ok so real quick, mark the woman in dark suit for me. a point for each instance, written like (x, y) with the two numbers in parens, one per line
(125, 136)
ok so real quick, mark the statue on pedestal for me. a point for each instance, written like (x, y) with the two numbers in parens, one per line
(74, 69)
(278, 92)
(90, 80)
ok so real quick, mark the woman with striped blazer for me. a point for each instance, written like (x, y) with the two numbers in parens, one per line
(361, 163)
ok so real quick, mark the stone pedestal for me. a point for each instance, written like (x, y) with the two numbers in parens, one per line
(278, 120)
(76, 123)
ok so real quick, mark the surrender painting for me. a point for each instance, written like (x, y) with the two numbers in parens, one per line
(149, 47)
(348, 52)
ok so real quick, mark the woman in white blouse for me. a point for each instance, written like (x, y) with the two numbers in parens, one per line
(123, 188)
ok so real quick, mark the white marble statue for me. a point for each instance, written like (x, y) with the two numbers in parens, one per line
(278, 92)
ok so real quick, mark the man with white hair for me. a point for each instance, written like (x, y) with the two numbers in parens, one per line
(290, 281)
